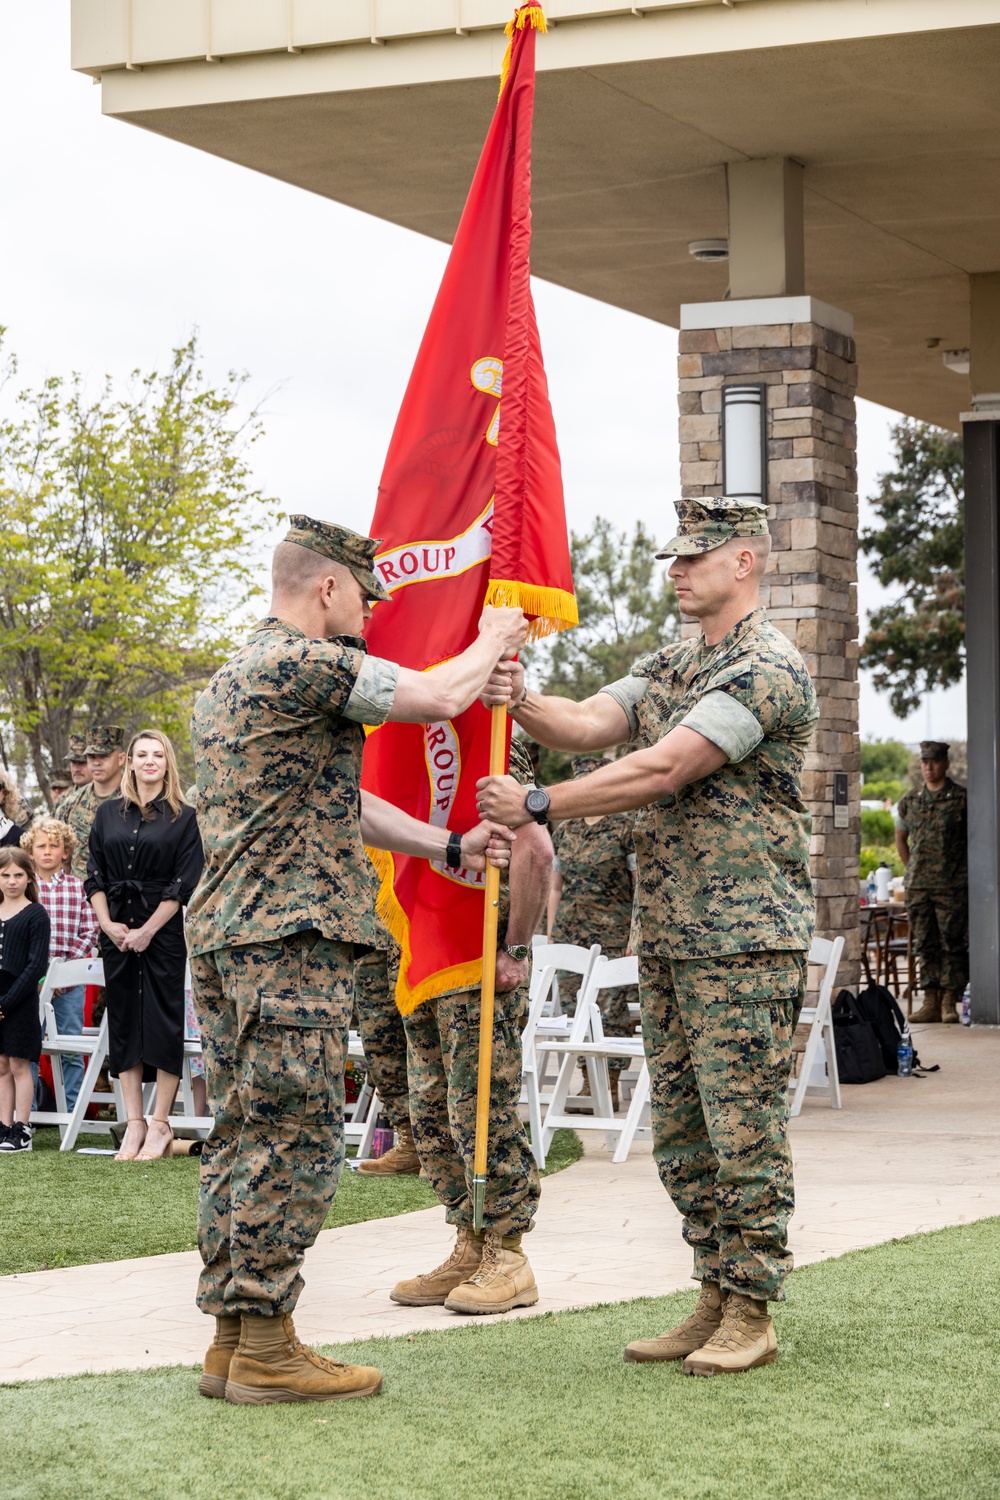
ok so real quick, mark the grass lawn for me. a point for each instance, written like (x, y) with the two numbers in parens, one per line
(68, 1210)
(885, 1388)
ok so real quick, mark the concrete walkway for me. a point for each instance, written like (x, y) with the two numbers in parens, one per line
(903, 1156)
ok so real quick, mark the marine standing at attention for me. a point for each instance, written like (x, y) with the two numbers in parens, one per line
(932, 840)
(724, 910)
(286, 899)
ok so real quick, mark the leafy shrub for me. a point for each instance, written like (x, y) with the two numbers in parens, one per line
(873, 855)
(877, 827)
(878, 791)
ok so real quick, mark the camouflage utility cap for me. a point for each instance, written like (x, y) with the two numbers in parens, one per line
(934, 750)
(341, 546)
(704, 524)
(104, 739)
(77, 747)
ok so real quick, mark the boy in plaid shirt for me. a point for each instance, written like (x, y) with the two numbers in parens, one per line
(50, 843)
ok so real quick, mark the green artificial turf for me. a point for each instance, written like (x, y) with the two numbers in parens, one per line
(66, 1210)
(885, 1389)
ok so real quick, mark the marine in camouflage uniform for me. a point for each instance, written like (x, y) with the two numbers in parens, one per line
(381, 1029)
(442, 1064)
(77, 756)
(595, 861)
(932, 838)
(724, 919)
(285, 901)
(79, 807)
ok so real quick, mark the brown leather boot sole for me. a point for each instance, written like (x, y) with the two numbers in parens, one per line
(694, 1367)
(212, 1386)
(251, 1395)
(527, 1298)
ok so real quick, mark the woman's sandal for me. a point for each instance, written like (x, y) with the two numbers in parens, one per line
(122, 1154)
(159, 1155)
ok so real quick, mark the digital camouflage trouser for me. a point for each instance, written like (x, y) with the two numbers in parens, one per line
(382, 1033)
(442, 1058)
(940, 924)
(274, 1022)
(718, 1040)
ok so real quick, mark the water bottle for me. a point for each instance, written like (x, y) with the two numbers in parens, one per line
(966, 1016)
(871, 889)
(904, 1055)
(383, 1137)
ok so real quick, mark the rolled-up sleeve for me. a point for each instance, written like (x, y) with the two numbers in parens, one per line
(373, 692)
(189, 861)
(627, 692)
(727, 723)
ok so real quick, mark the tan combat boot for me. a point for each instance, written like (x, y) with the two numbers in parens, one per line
(949, 1007)
(504, 1279)
(401, 1161)
(432, 1288)
(215, 1370)
(930, 1010)
(271, 1365)
(743, 1340)
(688, 1336)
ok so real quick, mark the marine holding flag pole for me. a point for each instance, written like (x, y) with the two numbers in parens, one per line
(471, 509)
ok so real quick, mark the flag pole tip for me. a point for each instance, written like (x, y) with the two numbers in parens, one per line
(478, 1202)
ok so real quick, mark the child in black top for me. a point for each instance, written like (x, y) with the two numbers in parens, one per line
(24, 957)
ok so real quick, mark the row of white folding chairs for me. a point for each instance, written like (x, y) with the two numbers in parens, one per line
(579, 1040)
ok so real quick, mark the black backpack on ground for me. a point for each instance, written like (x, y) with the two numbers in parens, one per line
(879, 1008)
(872, 1020)
(859, 1054)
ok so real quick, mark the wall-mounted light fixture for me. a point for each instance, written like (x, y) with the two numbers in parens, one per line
(744, 441)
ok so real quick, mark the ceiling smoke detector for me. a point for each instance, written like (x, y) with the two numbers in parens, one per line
(709, 249)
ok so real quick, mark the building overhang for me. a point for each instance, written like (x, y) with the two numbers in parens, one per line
(891, 105)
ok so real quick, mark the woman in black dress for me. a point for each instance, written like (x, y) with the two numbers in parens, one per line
(145, 861)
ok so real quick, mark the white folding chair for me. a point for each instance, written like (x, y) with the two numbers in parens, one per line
(359, 1125)
(818, 1071)
(91, 1043)
(547, 961)
(591, 1049)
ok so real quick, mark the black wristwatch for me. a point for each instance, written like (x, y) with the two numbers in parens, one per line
(517, 951)
(453, 852)
(536, 805)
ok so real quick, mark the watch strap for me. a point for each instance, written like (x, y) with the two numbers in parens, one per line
(453, 852)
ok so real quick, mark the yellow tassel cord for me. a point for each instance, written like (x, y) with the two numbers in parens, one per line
(465, 976)
(524, 15)
(553, 609)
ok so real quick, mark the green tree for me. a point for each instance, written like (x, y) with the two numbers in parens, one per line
(884, 760)
(917, 642)
(627, 607)
(127, 524)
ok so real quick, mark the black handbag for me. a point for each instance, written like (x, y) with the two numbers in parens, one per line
(859, 1054)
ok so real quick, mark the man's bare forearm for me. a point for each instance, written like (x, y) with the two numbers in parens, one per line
(385, 826)
(560, 724)
(530, 874)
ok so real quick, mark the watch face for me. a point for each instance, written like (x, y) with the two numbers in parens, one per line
(537, 801)
(518, 952)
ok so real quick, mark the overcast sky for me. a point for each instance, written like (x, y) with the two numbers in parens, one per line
(118, 243)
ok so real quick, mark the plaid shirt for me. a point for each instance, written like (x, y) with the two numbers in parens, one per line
(74, 926)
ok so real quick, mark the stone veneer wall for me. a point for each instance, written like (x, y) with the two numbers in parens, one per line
(811, 588)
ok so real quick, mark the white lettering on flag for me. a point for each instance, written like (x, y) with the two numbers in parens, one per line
(444, 765)
(421, 562)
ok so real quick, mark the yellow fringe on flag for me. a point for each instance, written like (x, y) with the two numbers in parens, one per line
(524, 15)
(554, 609)
(465, 976)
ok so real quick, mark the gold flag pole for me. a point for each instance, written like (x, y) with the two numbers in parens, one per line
(498, 747)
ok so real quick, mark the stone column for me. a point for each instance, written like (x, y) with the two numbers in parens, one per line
(803, 352)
